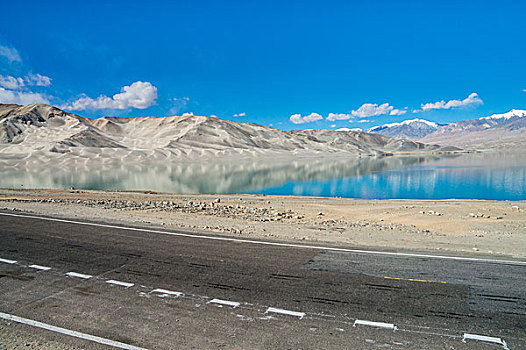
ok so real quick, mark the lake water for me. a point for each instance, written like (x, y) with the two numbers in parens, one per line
(470, 176)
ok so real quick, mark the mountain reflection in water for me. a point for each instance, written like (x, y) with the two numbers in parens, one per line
(433, 177)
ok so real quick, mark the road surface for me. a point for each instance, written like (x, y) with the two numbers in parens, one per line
(95, 286)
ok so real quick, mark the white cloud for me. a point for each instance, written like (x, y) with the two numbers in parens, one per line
(298, 119)
(240, 114)
(10, 82)
(14, 89)
(333, 125)
(350, 129)
(472, 99)
(21, 97)
(15, 83)
(398, 112)
(372, 109)
(37, 80)
(188, 114)
(339, 116)
(179, 105)
(365, 121)
(10, 53)
(140, 95)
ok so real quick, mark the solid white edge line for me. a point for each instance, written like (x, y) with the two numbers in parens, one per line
(484, 338)
(168, 292)
(375, 324)
(285, 312)
(292, 245)
(7, 261)
(78, 275)
(39, 267)
(119, 283)
(71, 333)
(234, 304)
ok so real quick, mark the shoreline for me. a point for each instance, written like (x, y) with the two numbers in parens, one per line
(475, 227)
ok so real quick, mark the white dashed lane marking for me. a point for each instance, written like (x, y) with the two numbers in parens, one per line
(285, 312)
(7, 261)
(225, 302)
(71, 333)
(119, 283)
(484, 338)
(78, 275)
(164, 292)
(375, 324)
(234, 304)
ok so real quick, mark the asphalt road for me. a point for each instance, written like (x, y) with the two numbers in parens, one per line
(154, 290)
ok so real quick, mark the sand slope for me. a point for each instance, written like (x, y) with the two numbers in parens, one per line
(39, 135)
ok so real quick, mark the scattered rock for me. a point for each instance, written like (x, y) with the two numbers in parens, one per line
(185, 206)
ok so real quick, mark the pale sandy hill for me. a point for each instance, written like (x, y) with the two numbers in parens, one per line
(36, 135)
(362, 142)
(199, 133)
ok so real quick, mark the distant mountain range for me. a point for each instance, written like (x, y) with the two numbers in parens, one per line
(408, 129)
(36, 134)
(507, 130)
(45, 134)
(495, 131)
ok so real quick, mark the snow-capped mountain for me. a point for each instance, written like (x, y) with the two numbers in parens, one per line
(495, 131)
(514, 113)
(408, 129)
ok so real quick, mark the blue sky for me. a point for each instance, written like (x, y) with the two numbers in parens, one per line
(273, 63)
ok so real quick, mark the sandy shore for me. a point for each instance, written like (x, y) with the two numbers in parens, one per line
(496, 228)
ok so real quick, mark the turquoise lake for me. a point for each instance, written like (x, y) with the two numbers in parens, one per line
(468, 176)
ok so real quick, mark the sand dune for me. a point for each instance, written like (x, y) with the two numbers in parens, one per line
(40, 135)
